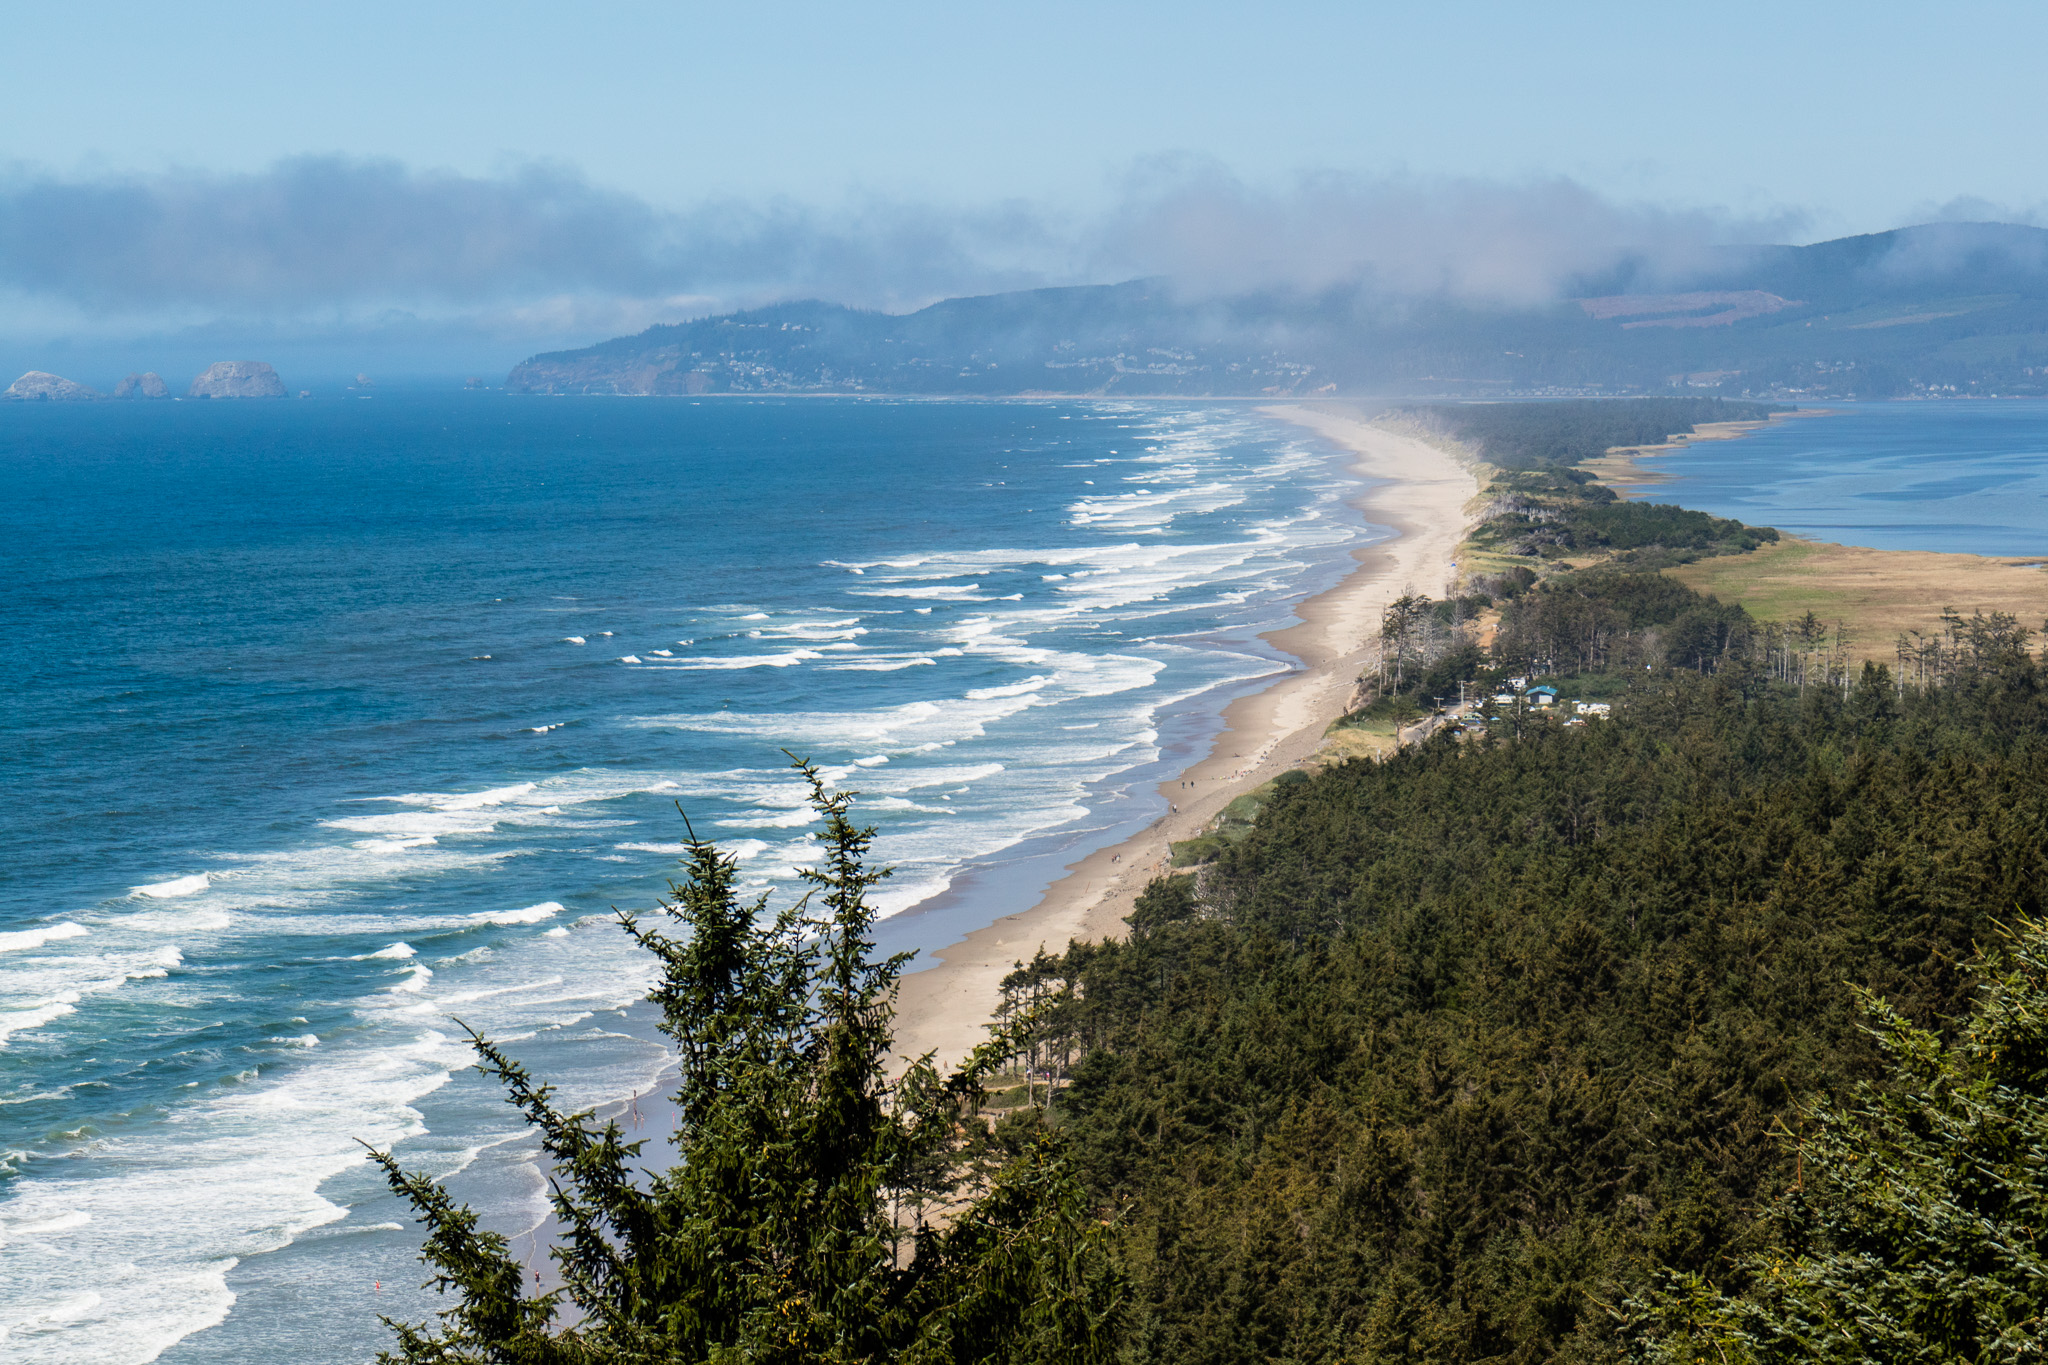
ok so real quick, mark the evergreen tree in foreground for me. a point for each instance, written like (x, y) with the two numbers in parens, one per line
(1919, 1230)
(791, 1228)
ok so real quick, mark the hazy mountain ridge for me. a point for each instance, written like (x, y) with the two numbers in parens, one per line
(1916, 310)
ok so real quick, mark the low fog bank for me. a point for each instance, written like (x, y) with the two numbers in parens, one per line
(324, 259)
(329, 265)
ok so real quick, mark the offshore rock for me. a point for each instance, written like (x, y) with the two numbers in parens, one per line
(149, 384)
(238, 379)
(40, 386)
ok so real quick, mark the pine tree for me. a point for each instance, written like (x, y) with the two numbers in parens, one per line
(1918, 1229)
(778, 1236)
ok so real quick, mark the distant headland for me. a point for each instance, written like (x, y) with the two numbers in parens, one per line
(1940, 310)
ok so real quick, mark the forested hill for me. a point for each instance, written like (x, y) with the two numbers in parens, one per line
(1461, 1056)
(1937, 308)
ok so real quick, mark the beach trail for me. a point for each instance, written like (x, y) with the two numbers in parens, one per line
(1415, 489)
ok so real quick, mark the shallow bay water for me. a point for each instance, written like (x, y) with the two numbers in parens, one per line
(1963, 476)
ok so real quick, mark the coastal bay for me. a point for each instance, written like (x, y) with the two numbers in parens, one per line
(1893, 513)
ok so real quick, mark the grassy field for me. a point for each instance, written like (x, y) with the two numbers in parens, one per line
(1373, 740)
(1879, 593)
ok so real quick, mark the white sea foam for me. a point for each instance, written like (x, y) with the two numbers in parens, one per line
(176, 886)
(36, 938)
(190, 919)
(17, 1021)
(427, 817)
(783, 660)
(417, 975)
(178, 1286)
(532, 914)
(968, 592)
(242, 1170)
(496, 796)
(884, 664)
(788, 819)
(103, 1278)
(38, 991)
(63, 1222)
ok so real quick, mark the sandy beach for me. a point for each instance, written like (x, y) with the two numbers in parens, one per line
(1418, 491)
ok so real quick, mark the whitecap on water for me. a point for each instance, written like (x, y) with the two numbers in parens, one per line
(17, 1021)
(532, 914)
(63, 1222)
(783, 660)
(176, 886)
(417, 975)
(36, 938)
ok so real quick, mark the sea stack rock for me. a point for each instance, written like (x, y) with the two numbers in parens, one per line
(238, 379)
(39, 386)
(146, 385)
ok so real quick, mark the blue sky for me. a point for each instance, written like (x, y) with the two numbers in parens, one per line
(896, 152)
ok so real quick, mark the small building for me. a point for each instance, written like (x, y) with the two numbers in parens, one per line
(1592, 708)
(1541, 695)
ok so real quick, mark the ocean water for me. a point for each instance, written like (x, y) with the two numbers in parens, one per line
(331, 723)
(1963, 476)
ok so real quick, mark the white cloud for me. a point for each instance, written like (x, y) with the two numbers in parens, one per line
(332, 248)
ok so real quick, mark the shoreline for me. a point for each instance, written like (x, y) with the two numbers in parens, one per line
(1417, 490)
(1882, 596)
(1622, 470)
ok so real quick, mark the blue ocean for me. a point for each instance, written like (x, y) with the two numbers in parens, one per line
(333, 722)
(1967, 476)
